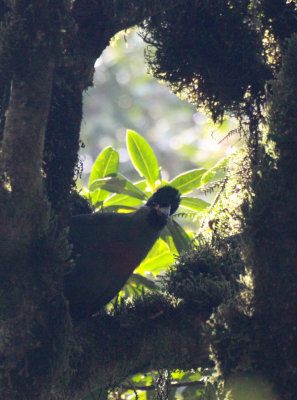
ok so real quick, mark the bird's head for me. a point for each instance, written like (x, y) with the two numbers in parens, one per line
(163, 203)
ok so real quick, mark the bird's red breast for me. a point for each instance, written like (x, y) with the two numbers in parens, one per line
(123, 258)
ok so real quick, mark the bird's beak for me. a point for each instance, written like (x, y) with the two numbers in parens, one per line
(164, 210)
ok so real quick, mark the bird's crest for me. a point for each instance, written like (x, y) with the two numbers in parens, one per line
(165, 196)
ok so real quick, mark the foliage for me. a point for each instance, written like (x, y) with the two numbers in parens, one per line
(111, 191)
(179, 135)
(181, 385)
(105, 180)
(206, 276)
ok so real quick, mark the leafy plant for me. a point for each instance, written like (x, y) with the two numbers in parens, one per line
(184, 385)
(111, 191)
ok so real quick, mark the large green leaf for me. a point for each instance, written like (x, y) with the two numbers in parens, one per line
(144, 186)
(122, 200)
(134, 286)
(188, 181)
(180, 237)
(138, 280)
(107, 163)
(118, 184)
(143, 158)
(126, 200)
(167, 238)
(158, 259)
(142, 379)
(194, 203)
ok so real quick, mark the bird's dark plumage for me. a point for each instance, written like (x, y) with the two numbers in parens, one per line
(109, 246)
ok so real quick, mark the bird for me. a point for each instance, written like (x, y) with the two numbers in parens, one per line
(108, 246)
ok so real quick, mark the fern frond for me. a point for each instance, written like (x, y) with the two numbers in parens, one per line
(210, 187)
(190, 214)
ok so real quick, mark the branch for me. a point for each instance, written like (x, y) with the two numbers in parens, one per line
(25, 126)
(120, 14)
(198, 384)
(127, 14)
(99, 21)
(173, 340)
(23, 142)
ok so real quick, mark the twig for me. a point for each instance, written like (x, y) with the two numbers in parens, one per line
(199, 384)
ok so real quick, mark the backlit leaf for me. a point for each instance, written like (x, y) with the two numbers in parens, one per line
(194, 203)
(118, 184)
(138, 280)
(107, 163)
(181, 240)
(122, 200)
(188, 181)
(167, 237)
(158, 259)
(143, 158)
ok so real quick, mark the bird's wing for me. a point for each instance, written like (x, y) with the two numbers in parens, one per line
(107, 247)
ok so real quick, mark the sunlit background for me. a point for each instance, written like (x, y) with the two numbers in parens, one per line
(126, 96)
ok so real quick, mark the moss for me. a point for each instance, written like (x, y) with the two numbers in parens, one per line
(62, 139)
(194, 50)
(34, 323)
(206, 276)
(232, 340)
(272, 230)
(279, 16)
(79, 204)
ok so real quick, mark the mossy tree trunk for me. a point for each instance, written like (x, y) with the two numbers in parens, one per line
(272, 232)
(47, 53)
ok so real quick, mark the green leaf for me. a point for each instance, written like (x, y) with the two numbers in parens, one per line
(122, 200)
(188, 181)
(134, 286)
(196, 376)
(215, 171)
(167, 238)
(142, 379)
(138, 280)
(118, 184)
(177, 375)
(181, 240)
(194, 203)
(125, 200)
(143, 185)
(128, 291)
(143, 158)
(158, 259)
(107, 163)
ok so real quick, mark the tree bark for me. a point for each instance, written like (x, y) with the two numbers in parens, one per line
(23, 143)
(111, 349)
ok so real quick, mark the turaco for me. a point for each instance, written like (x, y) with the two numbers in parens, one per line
(108, 247)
